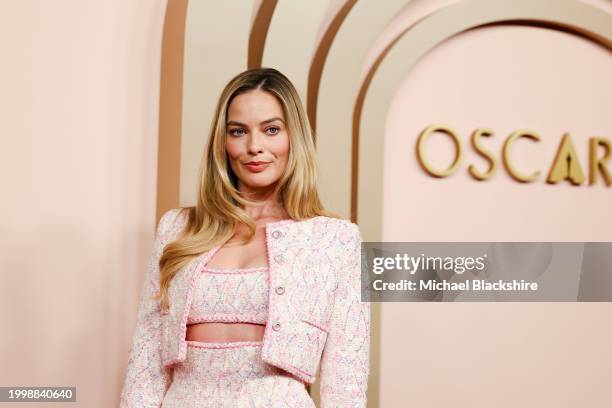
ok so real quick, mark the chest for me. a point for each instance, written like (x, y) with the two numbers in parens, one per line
(234, 254)
(302, 276)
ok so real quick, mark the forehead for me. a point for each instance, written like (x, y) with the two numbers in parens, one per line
(255, 106)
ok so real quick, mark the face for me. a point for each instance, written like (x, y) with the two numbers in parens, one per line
(257, 142)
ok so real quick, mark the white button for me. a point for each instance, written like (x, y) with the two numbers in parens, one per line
(280, 290)
(278, 258)
(277, 234)
(276, 327)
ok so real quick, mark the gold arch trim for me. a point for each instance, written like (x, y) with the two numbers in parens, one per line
(259, 32)
(318, 62)
(171, 107)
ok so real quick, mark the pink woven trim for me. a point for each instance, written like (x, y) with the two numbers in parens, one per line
(306, 375)
(269, 310)
(224, 344)
(234, 271)
(187, 307)
(302, 375)
(233, 318)
(318, 326)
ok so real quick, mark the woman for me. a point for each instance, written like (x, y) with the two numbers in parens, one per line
(252, 290)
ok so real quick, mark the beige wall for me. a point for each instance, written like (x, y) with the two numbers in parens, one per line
(80, 99)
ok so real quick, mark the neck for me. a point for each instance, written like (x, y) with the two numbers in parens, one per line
(268, 208)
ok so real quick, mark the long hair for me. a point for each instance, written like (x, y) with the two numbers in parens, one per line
(220, 204)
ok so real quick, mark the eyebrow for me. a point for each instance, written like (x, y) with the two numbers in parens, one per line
(233, 122)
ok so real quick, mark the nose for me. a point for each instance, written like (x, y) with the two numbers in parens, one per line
(255, 142)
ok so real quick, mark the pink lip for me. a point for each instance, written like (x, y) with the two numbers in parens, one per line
(257, 167)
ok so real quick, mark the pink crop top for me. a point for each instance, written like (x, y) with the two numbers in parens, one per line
(230, 295)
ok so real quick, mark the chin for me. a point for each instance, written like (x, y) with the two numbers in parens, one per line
(259, 183)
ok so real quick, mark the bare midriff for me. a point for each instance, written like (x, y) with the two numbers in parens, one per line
(233, 254)
(225, 332)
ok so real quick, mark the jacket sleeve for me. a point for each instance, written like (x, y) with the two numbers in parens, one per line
(146, 379)
(345, 360)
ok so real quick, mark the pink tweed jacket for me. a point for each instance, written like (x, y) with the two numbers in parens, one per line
(315, 314)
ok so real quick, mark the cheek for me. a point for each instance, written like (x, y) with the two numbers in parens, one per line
(233, 150)
(282, 149)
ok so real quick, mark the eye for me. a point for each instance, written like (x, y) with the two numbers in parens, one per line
(274, 129)
(233, 131)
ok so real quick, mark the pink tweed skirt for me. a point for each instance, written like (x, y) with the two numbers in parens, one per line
(232, 374)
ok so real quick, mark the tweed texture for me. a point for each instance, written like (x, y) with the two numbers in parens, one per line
(315, 314)
(230, 295)
(232, 375)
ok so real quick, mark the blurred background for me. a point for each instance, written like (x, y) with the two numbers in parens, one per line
(106, 111)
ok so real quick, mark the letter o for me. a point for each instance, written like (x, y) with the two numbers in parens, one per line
(421, 153)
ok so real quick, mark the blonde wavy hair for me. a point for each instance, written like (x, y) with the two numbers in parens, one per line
(219, 207)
